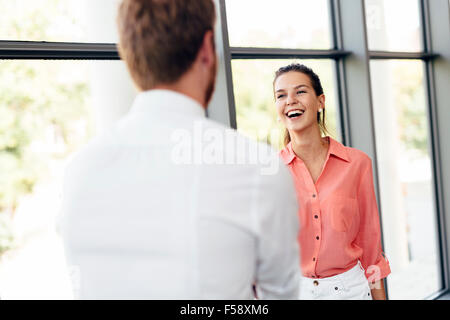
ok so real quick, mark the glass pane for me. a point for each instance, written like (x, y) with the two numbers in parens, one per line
(394, 25)
(59, 20)
(405, 177)
(301, 24)
(255, 105)
(48, 110)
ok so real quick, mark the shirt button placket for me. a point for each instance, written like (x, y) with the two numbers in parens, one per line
(316, 209)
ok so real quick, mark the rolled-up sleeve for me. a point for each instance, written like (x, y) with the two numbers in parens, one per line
(373, 259)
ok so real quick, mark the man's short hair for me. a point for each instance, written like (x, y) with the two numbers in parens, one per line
(160, 39)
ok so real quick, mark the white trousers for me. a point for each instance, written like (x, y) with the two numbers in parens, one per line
(350, 285)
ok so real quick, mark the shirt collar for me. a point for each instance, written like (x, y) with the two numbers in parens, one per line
(161, 102)
(287, 154)
(336, 148)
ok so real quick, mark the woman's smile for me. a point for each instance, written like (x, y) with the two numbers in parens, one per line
(295, 113)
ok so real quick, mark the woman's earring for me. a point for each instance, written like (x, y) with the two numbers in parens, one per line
(320, 110)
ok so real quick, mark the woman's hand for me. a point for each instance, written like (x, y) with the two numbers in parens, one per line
(378, 291)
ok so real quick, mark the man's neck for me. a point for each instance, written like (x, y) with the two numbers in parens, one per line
(186, 86)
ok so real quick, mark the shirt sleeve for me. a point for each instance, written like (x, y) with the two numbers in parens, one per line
(373, 260)
(278, 264)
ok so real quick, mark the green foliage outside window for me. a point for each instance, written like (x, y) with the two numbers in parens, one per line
(409, 100)
(40, 107)
(43, 111)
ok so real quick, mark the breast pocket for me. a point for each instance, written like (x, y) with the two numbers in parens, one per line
(342, 212)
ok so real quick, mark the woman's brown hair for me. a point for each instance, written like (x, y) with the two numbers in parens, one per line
(317, 86)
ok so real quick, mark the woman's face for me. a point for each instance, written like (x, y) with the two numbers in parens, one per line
(296, 101)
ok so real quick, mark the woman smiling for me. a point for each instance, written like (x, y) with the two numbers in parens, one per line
(340, 236)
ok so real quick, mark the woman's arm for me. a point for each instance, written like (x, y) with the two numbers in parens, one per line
(374, 262)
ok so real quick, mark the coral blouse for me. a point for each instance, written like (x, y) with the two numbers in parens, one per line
(339, 222)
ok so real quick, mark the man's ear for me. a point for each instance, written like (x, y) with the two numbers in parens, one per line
(207, 51)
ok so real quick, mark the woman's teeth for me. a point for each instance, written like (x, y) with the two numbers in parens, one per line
(295, 113)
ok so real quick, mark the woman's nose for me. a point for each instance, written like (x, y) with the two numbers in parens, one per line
(291, 99)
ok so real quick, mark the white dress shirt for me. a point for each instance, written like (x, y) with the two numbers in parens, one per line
(144, 219)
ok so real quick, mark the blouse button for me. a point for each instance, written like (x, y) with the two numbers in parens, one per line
(316, 283)
(316, 217)
(313, 195)
(317, 237)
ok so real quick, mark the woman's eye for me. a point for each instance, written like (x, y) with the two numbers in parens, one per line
(298, 92)
(280, 96)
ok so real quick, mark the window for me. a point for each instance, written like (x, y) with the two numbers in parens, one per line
(406, 178)
(48, 110)
(284, 24)
(59, 20)
(394, 25)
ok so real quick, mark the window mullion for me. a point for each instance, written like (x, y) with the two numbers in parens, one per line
(436, 38)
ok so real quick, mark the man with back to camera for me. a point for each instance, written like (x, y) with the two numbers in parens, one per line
(146, 213)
